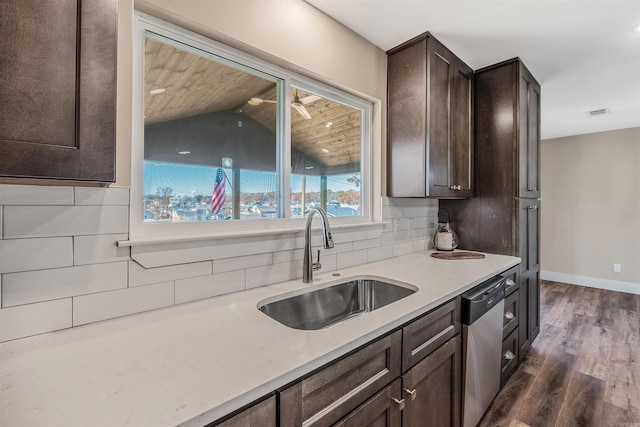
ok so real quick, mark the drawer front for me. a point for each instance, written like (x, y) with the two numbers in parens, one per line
(421, 337)
(511, 284)
(511, 312)
(509, 356)
(331, 393)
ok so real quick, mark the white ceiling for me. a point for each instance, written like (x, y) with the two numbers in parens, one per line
(583, 52)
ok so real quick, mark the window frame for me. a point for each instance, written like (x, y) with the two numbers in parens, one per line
(140, 230)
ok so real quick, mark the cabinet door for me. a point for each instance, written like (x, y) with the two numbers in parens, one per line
(58, 81)
(331, 393)
(529, 135)
(529, 223)
(432, 389)
(441, 70)
(262, 414)
(461, 133)
(382, 410)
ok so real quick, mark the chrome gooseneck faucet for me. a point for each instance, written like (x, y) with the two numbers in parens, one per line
(309, 266)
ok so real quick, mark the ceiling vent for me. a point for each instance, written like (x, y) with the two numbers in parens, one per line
(600, 112)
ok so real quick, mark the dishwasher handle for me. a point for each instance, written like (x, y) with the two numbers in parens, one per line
(481, 299)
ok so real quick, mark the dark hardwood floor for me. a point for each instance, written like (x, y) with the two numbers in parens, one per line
(584, 367)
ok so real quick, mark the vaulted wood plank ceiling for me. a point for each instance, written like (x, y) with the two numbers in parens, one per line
(194, 84)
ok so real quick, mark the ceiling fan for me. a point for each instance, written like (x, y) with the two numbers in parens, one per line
(297, 103)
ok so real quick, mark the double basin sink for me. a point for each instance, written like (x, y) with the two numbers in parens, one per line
(320, 308)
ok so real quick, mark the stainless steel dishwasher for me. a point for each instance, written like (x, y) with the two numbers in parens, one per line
(482, 313)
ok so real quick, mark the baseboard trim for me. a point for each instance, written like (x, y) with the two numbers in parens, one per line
(592, 282)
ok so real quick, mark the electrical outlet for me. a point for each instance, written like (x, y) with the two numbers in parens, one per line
(616, 268)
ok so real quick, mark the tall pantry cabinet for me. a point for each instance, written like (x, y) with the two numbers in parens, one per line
(503, 217)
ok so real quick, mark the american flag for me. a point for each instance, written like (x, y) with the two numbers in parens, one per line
(218, 197)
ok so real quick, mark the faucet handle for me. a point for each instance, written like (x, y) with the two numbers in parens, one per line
(316, 265)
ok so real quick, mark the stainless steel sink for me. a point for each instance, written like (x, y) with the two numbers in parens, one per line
(320, 308)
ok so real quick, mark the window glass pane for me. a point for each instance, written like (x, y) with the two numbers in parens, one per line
(326, 147)
(204, 114)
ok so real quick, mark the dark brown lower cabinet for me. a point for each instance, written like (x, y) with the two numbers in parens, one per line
(330, 394)
(432, 388)
(261, 414)
(382, 410)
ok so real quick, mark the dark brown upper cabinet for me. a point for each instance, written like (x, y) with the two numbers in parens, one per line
(58, 89)
(430, 121)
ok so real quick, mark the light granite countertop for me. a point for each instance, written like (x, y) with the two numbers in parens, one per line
(193, 363)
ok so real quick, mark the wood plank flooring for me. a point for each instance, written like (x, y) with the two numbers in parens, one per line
(584, 367)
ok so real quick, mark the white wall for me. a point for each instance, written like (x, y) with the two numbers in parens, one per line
(591, 209)
(59, 263)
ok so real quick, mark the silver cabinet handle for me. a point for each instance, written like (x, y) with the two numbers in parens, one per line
(455, 187)
(532, 189)
(411, 393)
(509, 355)
(509, 315)
(399, 402)
(510, 282)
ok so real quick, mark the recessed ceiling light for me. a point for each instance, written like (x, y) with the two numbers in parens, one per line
(636, 29)
(308, 167)
(157, 90)
(324, 150)
(184, 152)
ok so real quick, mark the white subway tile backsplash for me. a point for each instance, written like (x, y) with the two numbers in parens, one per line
(101, 196)
(41, 285)
(185, 252)
(268, 274)
(107, 305)
(328, 261)
(35, 195)
(1, 223)
(99, 249)
(349, 259)
(51, 221)
(208, 286)
(139, 275)
(421, 222)
(379, 253)
(242, 262)
(288, 256)
(35, 254)
(337, 248)
(402, 248)
(33, 319)
(391, 211)
(366, 244)
(420, 245)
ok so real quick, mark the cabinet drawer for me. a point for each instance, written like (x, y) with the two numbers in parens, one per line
(511, 284)
(421, 337)
(382, 410)
(511, 311)
(328, 395)
(509, 356)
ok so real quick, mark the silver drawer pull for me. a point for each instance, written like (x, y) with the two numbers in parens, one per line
(399, 402)
(412, 393)
(509, 315)
(509, 355)
(510, 282)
